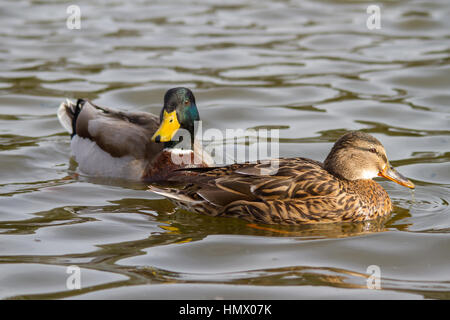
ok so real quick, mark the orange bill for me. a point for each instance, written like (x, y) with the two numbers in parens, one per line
(390, 173)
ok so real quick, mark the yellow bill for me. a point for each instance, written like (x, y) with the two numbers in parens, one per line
(168, 127)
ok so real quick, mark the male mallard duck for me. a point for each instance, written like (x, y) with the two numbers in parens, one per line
(300, 191)
(133, 145)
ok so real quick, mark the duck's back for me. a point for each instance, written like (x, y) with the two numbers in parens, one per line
(110, 143)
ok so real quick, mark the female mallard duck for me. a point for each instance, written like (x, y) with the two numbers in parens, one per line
(134, 145)
(300, 191)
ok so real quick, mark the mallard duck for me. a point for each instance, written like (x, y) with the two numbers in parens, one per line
(300, 191)
(134, 145)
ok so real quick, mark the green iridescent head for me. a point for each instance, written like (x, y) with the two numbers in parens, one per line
(179, 111)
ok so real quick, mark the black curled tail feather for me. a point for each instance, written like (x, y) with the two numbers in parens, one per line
(68, 113)
(74, 114)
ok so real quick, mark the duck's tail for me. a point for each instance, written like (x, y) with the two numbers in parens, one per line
(68, 113)
(171, 193)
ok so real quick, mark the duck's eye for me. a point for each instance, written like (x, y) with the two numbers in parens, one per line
(186, 101)
(373, 150)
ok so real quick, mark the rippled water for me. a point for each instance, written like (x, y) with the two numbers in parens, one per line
(310, 68)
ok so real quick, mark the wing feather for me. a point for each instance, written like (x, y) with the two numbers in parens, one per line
(119, 133)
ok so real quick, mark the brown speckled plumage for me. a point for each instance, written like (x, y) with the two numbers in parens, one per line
(301, 191)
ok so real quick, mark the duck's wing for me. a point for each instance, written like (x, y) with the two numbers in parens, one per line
(300, 191)
(294, 178)
(116, 132)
